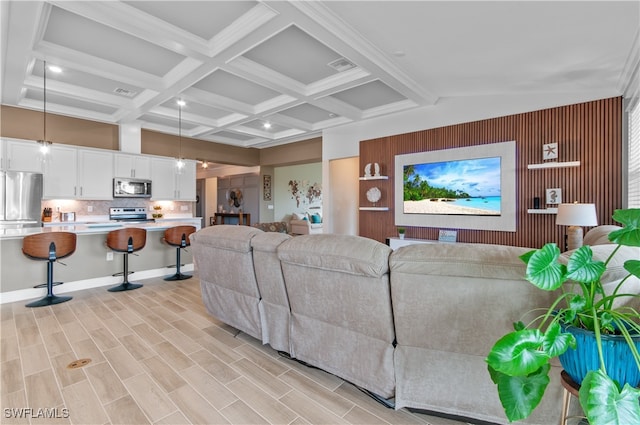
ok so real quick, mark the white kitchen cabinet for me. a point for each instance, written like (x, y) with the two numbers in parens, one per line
(163, 179)
(61, 173)
(168, 185)
(186, 183)
(73, 173)
(135, 166)
(95, 174)
(18, 155)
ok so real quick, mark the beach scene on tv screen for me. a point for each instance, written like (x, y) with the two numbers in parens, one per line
(461, 187)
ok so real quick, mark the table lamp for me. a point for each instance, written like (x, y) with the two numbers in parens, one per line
(575, 216)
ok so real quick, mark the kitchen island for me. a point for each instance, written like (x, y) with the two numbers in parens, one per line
(89, 266)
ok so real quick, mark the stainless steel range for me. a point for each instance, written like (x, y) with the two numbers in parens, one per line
(129, 214)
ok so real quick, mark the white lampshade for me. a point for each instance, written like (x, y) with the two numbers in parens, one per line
(577, 215)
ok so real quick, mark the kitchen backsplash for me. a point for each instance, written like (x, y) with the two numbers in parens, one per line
(101, 208)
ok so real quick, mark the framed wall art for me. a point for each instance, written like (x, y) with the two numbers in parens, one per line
(266, 187)
(554, 196)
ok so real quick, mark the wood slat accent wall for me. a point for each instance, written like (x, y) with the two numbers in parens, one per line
(588, 132)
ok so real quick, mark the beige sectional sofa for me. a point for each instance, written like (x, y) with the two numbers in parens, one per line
(412, 326)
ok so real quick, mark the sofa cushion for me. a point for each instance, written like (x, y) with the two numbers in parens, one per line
(226, 236)
(299, 216)
(275, 313)
(341, 316)
(344, 253)
(223, 258)
(471, 260)
(599, 235)
(276, 226)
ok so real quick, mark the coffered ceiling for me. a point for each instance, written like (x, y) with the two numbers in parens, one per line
(300, 66)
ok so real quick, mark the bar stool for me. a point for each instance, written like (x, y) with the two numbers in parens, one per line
(127, 241)
(50, 247)
(178, 236)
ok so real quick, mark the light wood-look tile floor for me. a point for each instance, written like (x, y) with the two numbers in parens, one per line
(158, 357)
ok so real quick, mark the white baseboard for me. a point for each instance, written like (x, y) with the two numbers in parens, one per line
(79, 285)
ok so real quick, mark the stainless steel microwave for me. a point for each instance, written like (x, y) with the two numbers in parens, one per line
(124, 187)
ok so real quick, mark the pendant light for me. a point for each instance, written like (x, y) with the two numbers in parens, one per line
(180, 160)
(44, 143)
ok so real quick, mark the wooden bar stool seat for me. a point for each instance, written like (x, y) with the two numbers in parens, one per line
(178, 236)
(50, 247)
(126, 241)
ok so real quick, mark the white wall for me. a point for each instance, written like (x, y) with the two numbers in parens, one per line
(344, 175)
(284, 204)
(211, 196)
(344, 141)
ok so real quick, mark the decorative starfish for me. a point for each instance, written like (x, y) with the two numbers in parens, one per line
(550, 150)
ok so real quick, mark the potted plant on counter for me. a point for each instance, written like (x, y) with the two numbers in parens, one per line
(401, 232)
(519, 362)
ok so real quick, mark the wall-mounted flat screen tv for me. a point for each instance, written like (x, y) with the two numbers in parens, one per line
(472, 187)
(463, 186)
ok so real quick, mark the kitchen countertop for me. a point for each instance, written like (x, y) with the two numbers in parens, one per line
(97, 227)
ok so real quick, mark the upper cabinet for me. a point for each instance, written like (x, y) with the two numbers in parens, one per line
(18, 155)
(130, 165)
(61, 175)
(95, 174)
(186, 184)
(169, 185)
(73, 173)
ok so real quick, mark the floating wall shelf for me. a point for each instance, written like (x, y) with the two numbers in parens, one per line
(554, 165)
(374, 208)
(545, 211)
(375, 178)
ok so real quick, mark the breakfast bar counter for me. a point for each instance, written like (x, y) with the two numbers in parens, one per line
(92, 264)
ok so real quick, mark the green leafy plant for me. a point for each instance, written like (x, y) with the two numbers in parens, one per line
(519, 362)
(401, 230)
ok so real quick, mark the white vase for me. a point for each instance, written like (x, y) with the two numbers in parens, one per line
(401, 235)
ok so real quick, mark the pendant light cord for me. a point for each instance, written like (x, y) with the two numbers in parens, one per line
(44, 130)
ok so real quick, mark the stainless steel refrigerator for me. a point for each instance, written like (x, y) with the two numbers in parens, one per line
(21, 197)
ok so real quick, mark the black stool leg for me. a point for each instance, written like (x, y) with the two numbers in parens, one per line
(125, 285)
(178, 275)
(49, 299)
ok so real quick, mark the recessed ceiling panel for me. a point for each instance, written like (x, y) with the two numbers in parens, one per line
(197, 109)
(85, 80)
(307, 65)
(169, 122)
(202, 18)
(370, 95)
(308, 113)
(53, 98)
(233, 136)
(236, 88)
(84, 35)
(259, 125)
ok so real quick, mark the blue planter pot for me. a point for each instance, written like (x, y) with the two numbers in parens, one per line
(618, 358)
